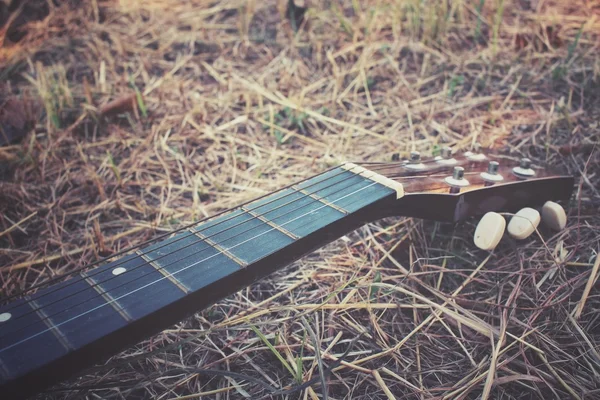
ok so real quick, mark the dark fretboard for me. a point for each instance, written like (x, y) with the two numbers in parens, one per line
(61, 329)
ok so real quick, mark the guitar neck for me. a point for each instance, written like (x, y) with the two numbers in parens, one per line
(60, 330)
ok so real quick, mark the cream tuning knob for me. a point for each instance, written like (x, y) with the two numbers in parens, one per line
(554, 216)
(524, 223)
(489, 231)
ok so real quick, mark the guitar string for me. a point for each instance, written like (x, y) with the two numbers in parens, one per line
(123, 261)
(145, 263)
(79, 279)
(156, 239)
(199, 241)
(176, 261)
(226, 249)
(74, 281)
(159, 237)
(54, 327)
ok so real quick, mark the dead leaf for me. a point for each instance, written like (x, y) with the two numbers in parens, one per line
(99, 238)
(88, 92)
(125, 103)
(520, 41)
(539, 41)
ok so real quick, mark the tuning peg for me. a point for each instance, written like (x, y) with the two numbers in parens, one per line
(492, 175)
(554, 216)
(414, 162)
(457, 180)
(475, 155)
(446, 152)
(524, 223)
(524, 169)
(445, 157)
(489, 231)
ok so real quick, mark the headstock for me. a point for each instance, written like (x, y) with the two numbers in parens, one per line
(453, 187)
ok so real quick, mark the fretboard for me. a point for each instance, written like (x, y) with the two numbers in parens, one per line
(61, 329)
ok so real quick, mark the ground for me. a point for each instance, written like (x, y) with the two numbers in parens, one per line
(220, 102)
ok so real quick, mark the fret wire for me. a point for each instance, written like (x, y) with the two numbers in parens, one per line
(221, 222)
(160, 269)
(266, 221)
(221, 249)
(164, 277)
(329, 186)
(48, 322)
(320, 199)
(156, 239)
(107, 297)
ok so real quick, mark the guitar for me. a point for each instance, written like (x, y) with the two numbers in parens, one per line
(49, 334)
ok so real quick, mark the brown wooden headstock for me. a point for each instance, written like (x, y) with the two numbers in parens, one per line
(451, 188)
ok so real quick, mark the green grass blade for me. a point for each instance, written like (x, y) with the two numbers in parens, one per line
(573, 45)
(273, 350)
(479, 17)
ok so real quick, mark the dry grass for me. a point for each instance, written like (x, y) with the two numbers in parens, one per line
(233, 105)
